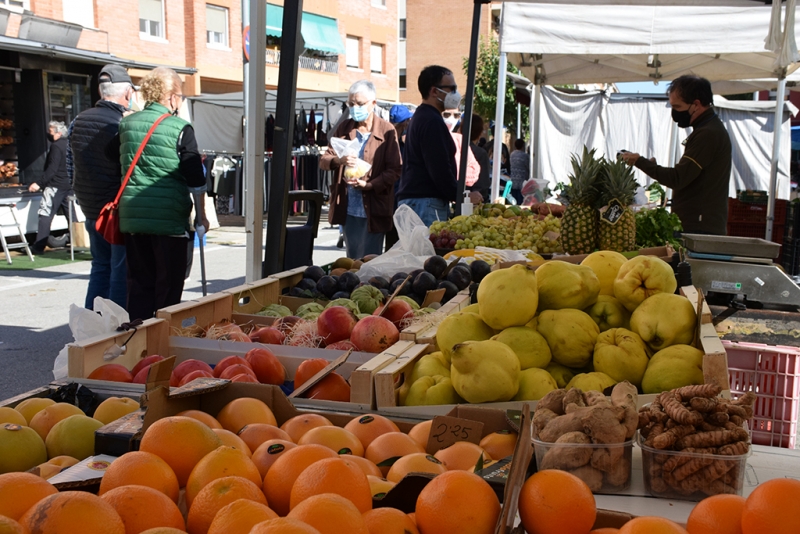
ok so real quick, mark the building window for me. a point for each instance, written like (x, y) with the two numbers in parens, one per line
(13, 3)
(376, 59)
(401, 82)
(151, 18)
(352, 52)
(401, 31)
(216, 26)
(79, 12)
(379, 3)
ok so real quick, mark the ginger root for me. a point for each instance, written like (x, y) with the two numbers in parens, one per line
(707, 391)
(625, 395)
(553, 401)
(541, 417)
(568, 457)
(677, 411)
(590, 475)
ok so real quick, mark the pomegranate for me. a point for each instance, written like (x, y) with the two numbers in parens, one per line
(398, 311)
(186, 367)
(141, 376)
(335, 324)
(374, 334)
(342, 345)
(267, 367)
(268, 335)
(145, 362)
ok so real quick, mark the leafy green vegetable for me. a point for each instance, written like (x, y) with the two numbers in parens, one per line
(657, 227)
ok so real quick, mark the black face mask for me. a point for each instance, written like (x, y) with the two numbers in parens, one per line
(683, 118)
(51, 138)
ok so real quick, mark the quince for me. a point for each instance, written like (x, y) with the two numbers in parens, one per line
(663, 320)
(606, 265)
(432, 390)
(528, 344)
(622, 355)
(565, 285)
(534, 384)
(609, 313)
(485, 371)
(560, 373)
(673, 367)
(508, 297)
(460, 327)
(643, 277)
(571, 336)
(595, 381)
(430, 365)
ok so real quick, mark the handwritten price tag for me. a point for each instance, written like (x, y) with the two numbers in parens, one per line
(613, 212)
(446, 430)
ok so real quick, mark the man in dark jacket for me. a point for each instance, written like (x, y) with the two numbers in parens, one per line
(54, 184)
(93, 151)
(701, 179)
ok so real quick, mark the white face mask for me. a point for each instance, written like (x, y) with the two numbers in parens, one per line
(451, 100)
(451, 122)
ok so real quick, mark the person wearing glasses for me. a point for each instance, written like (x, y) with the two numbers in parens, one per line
(428, 180)
(156, 204)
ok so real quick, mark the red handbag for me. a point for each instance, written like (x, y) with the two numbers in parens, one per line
(107, 223)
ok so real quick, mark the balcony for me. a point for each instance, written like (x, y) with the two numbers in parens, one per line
(305, 63)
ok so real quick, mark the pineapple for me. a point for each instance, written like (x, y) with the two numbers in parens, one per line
(617, 183)
(579, 224)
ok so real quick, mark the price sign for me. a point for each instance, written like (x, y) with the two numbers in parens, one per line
(613, 212)
(446, 430)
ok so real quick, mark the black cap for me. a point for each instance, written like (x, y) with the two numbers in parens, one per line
(115, 74)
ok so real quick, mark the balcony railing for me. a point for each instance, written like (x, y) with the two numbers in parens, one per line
(305, 63)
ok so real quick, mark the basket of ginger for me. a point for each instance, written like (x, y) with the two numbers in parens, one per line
(694, 443)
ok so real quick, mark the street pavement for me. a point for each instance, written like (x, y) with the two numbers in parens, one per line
(34, 305)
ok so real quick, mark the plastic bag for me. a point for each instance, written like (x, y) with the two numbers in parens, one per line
(85, 324)
(351, 147)
(410, 251)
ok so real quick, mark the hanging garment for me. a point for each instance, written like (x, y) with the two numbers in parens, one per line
(322, 138)
(311, 130)
(269, 133)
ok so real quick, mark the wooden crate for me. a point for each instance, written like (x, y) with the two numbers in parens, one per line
(252, 298)
(152, 337)
(203, 311)
(423, 333)
(362, 379)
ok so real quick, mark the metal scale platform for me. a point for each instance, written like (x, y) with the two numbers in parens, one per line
(740, 266)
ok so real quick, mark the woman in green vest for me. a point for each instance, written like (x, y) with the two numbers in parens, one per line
(157, 201)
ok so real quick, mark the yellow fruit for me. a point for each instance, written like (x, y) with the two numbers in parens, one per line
(431, 390)
(10, 415)
(571, 336)
(48, 471)
(30, 407)
(113, 408)
(608, 313)
(432, 364)
(643, 277)
(591, 381)
(528, 344)
(566, 285)
(560, 373)
(460, 327)
(606, 265)
(73, 436)
(663, 320)
(20, 448)
(622, 355)
(673, 367)
(534, 384)
(472, 308)
(379, 486)
(508, 297)
(485, 371)
(43, 421)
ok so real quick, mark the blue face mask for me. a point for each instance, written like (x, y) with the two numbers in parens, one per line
(359, 113)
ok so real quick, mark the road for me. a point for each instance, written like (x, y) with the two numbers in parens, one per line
(34, 305)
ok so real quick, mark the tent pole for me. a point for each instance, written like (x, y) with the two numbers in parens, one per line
(519, 120)
(466, 120)
(776, 150)
(537, 119)
(291, 44)
(498, 125)
(531, 124)
(254, 139)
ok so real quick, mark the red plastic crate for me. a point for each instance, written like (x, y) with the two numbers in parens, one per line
(773, 374)
(753, 229)
(749, 212)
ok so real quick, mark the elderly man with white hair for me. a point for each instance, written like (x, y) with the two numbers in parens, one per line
(54, 183)
(364, 203)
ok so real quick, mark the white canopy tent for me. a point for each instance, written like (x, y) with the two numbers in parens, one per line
(607, 41)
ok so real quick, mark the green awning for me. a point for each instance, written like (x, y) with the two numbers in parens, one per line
(319, 33)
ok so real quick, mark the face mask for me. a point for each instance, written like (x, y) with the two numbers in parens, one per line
(451, 100)
(359, 113)
(51, 137)
(683, 118)
(451, 122)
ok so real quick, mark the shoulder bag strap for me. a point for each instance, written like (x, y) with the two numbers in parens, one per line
(138, 154)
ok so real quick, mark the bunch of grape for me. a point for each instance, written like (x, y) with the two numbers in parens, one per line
(445, 238)
(513, 233)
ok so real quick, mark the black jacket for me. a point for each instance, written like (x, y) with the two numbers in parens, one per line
(55, 167)
(484, 183)
(94, 144)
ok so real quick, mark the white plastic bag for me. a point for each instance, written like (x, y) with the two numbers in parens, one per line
(352, 147)
(85, 324)
(410, 251)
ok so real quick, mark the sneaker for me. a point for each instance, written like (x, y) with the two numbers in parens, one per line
(340, 244)
(36, 251)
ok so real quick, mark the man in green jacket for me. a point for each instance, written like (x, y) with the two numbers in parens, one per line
(701, 179)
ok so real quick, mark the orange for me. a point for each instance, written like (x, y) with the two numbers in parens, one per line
(337, 439)
(142, 469)
(368, 467)
(9, 526)
(461, 455)
(420, 433)
(256, 434)
(163, 530)
(604, 531)
(772, 508)
(222, 462)
(142, 508)
(181, 442)
(330, 514)
(283, 525)
(334, 475)
(389, 521)
(47, 418)
(458, 502)
(718, 514)
(389, 446)
(215, 496)
(30, 407)
(413, 517)
(368, 427)
(245, 411)
(232, 440)
(20, 491)
(419, 462)
(553, 502)
(499, 445)
(300, 424)
(283, 473)
(268, 452)
(72, 511)
(652, 525)
(378, 486)
(240, 516)
(203, 417)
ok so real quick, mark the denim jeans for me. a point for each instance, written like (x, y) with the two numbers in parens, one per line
(429, 210)
(108, 278)
(360, 242)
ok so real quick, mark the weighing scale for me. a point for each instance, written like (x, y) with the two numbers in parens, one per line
(742, 267)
